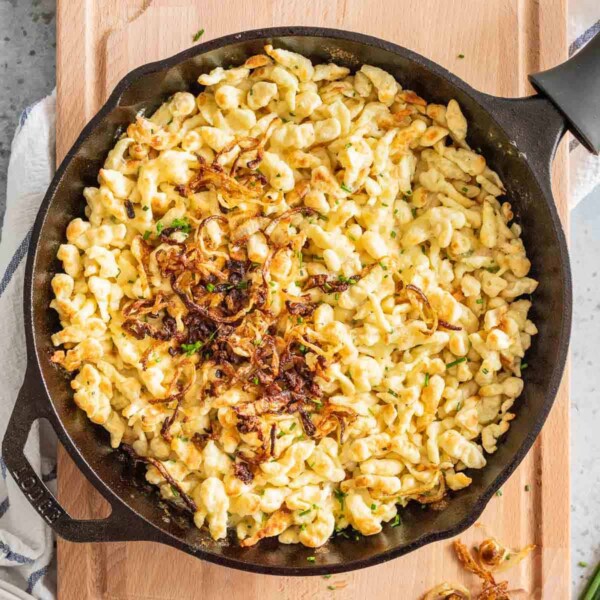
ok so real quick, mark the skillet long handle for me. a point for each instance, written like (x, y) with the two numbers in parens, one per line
(26, 411)
(574, 88)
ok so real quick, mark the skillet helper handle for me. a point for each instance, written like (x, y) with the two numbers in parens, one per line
(574, 88)
(26, 411)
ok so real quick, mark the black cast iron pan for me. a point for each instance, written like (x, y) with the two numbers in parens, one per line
(518, 137)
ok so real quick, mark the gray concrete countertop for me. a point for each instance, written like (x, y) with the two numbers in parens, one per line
(27, 72)
(27, 67)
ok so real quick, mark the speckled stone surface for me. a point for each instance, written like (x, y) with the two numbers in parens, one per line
(585, 389)
(27, 66)
(27, 73)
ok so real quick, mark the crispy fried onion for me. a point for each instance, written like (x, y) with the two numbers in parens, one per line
(448, 591)
(304, 308)
(217, 314)
(330, 284)
(492, 556)
(160, 467)
(242, 470)
(433, 497)
(491, 589)
(250, 184)
(497, 558)
(305, 211)
(419, 300)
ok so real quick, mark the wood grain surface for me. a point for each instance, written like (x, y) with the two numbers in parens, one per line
(502, 41)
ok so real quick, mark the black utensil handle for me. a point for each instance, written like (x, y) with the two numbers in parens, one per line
(26, 411)
(574, 88)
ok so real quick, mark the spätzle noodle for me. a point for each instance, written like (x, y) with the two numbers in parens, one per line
(299, 298)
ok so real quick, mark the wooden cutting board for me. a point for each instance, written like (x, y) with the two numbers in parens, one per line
(502, 41)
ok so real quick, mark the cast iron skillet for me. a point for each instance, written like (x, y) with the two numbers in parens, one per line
(518, 137)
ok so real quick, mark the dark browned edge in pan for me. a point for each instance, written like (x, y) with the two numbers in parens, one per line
(533, 126)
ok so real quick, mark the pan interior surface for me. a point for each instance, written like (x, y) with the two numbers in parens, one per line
(531, 203)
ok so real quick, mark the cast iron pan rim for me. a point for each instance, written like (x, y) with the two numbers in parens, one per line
(34, 353)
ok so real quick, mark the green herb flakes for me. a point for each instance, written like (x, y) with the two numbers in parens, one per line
(458, 361)
(190, 349)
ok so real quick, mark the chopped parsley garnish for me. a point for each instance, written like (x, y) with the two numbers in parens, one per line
(182, 225)
(456, 362)
(484, 371)
(327, 576)
(339, 495)
(311, 559)
(426, 379)
(159, 227)
(336, 296)
(479, 301)
(146, 234)
(582, 564)
(373, 507)
(190, 349)
(346, 188)
(499, 493)
(393, 234)
(198, 35)
(397, 521)
(524, 366)
(255, 380)
(393, 393)
(145, 208)
(331, 588)
(461, 55)
(210, 287)
(527, 487)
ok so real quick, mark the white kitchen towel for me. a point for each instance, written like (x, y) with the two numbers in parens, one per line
(26, 544)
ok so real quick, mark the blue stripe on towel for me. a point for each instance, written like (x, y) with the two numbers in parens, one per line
(584, 38)
(34, 578)
(14, 556)
(4, 507)
(14, 263)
